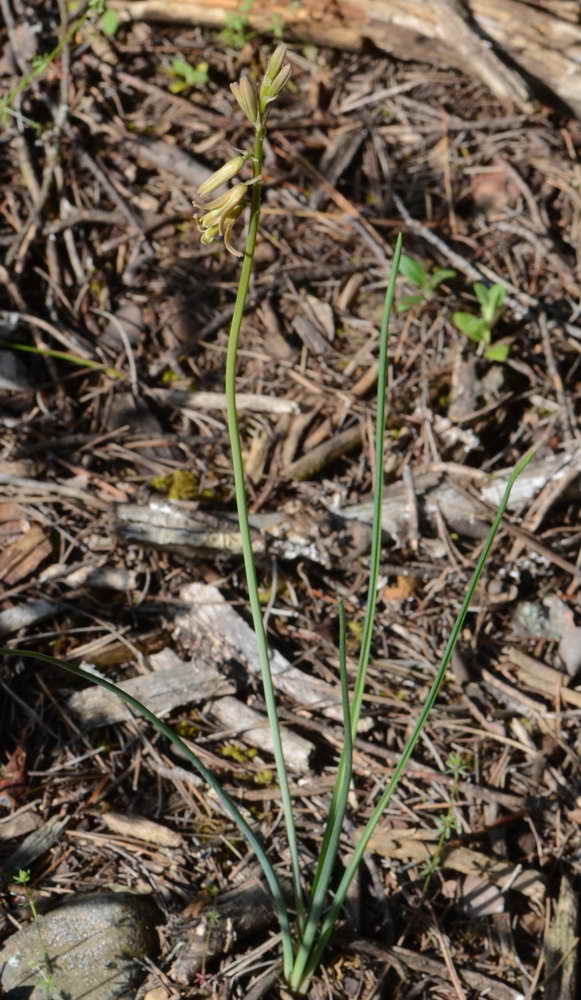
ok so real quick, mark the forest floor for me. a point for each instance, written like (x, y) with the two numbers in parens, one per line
(125, 317)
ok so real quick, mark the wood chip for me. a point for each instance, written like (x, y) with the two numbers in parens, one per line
(132, 825)
(254, 728)
(420, 846)
(25, 615)
(561, 946)
(23, 822)
(32, 847)
(24, 555)
(160, 692)
(211, 624)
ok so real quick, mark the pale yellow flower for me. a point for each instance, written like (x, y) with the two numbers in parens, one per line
(220, 216)
(223, 175)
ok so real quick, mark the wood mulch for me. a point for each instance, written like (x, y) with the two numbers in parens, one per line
(104, 278)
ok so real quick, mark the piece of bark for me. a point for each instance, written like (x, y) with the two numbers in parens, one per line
(481, 984)
(31, 848)
(202, 932)
(420, 846)
(253, 401)
(561, 946)
(160, 692)
(24, 554)
(25, 615)
(180, 527)
(25, 820)
(436, 490)
(254, 728)
(547, 680)
(455, 29)
(132, 825)
(212, 625)
(311, 464)
(536, 44)
(308, 534)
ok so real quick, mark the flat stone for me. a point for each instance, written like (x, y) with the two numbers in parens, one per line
(86, 949)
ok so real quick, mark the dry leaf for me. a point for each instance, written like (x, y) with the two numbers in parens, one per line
(480, 898)
(13, 777)
(24, 555)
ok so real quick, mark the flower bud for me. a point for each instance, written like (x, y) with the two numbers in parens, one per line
(223, 175)
(245, 94)
(275, 62)
(275, 79)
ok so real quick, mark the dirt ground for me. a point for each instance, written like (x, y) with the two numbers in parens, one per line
(124, 316)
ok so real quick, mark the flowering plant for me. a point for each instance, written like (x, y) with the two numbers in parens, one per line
(315, 910)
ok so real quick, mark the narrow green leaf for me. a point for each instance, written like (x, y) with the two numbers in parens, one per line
(328, 853)
(228, 803)
(45, 352)
(339, 898)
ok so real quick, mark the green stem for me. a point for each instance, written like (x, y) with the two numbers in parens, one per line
(242, 507)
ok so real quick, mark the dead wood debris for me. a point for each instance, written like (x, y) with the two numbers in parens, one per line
(494, 40)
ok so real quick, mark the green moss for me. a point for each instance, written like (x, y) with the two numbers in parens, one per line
(181, 484)
(187, 729)
(238, 753)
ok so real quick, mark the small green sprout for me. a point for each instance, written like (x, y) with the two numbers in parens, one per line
(22, 877)
(277, 25)
(427, 283)
(479, 328)
(237, 30)
(457, 765)
(187, 75)
(109, 22)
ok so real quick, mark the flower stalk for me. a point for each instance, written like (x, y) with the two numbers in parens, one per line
(219, 220)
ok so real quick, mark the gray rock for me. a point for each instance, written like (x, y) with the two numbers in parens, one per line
(84, 949)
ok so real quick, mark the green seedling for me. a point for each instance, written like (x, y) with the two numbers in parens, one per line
(187, 76)
(44, 978)
(237, 30)
(419, 276)
(457, 768)
(277, 25)
(22, 879)
(479, 328)
(109, 22)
